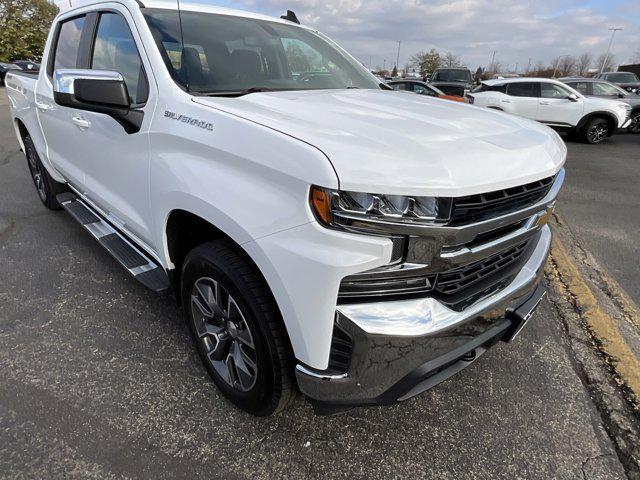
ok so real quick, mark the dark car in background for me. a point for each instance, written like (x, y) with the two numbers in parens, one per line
(453, 81)
(27, 65)
(596, 87)
(627, 80)
(4, 68)
(422, 88)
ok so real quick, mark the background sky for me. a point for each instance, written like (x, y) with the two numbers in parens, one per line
(473, 29)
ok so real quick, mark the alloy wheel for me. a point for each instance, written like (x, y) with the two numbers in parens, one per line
(597, 133)
(224, 334)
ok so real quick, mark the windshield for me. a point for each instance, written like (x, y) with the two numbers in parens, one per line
(626, 77)
(452, 76)
(601, 88)
(224, 54)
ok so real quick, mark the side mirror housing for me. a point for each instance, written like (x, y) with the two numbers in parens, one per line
(573, 97)
(97, 91)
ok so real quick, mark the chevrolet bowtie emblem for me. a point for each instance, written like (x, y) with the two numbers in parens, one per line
(544, 218)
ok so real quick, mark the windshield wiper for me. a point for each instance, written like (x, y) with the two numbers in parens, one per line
(234, 93)
(256, 90)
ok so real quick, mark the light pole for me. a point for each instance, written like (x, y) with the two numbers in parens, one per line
(606, 57)
(558, 63)
(398, 57)
(493, 58)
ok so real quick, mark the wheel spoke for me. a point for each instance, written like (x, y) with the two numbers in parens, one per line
(244, 367)
(203, 308)
(246, 359)
(231, 370)
(244, 336)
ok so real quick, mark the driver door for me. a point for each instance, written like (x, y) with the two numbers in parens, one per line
(556, 107)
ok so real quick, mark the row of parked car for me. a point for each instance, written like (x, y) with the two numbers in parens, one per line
(591, 109)
(19, 65)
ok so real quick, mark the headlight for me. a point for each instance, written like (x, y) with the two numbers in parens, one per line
(370, 212)
(625, 106)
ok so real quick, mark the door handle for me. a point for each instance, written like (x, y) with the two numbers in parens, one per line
(81, 123)
(505, 100)
(544, 102)
(43, 107)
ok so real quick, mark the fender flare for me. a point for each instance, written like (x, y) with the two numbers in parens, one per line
(610, 117)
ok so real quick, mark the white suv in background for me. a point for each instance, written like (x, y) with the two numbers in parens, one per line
(554, 104)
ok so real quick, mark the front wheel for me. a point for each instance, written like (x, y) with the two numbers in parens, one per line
(237, 328)
(634, 126)
(595, 131)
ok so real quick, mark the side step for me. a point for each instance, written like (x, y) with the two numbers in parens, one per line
(137, 263)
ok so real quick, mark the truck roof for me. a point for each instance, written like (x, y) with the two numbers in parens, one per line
(192, 6)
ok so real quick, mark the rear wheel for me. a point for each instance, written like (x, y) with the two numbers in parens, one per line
(237, 327)
(595, 131)
(634, 126)
(46, 186)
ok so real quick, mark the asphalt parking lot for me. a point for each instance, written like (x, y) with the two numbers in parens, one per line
(99, 378)
(600, 201)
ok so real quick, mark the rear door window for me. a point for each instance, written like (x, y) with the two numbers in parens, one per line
(522, 89)
(68, 43)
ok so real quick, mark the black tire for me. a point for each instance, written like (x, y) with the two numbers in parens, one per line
(634, 127)
(46, 187)
(595, 131)
(219, 264)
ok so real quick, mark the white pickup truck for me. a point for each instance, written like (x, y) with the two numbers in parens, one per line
(321, 232)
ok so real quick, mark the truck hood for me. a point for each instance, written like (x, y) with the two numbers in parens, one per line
(394, 143)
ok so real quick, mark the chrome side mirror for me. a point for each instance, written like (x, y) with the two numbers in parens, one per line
(97, 91)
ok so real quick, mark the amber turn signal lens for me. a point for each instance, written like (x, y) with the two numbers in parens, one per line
(321, 204)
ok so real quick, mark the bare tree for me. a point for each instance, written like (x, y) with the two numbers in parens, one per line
(584, 64)
(609, 62)
(541, 69)
(451, 60)
(565, 65)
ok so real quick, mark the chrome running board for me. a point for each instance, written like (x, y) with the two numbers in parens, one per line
(133, 259)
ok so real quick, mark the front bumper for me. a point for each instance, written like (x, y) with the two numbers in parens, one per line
(402, 348)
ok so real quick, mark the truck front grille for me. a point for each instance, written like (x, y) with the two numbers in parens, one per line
(457, 288)
(453, 281)
(483, 206)
(462, 287)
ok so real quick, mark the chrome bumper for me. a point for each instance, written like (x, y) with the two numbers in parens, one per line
(401, 348)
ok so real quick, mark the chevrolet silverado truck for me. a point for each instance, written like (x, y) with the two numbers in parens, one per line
(322, 233)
